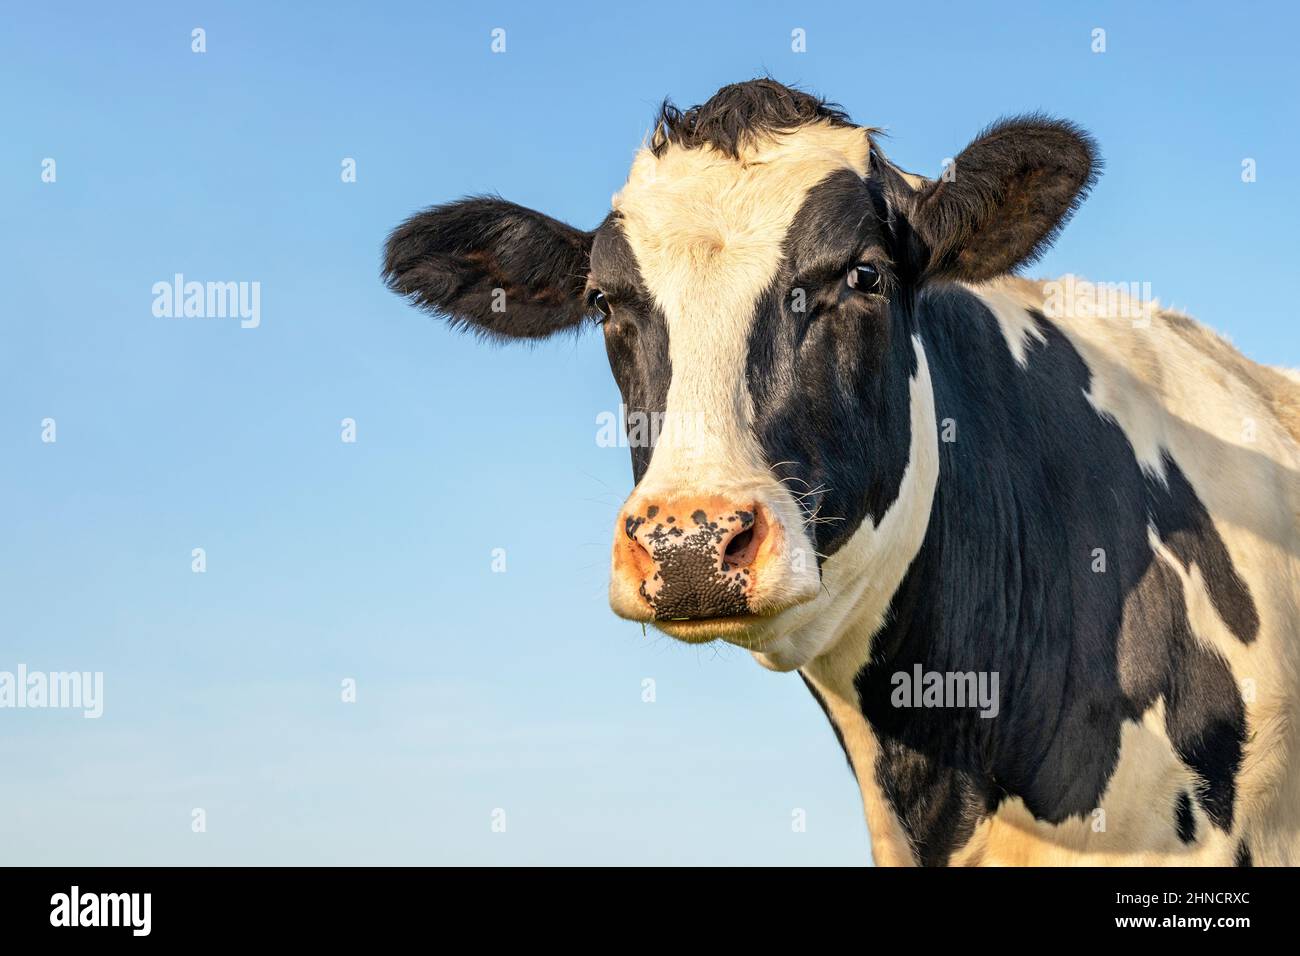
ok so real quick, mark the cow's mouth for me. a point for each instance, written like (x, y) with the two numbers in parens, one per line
(750, 631)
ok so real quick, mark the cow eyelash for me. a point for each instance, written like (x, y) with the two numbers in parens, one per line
(866, 278)
(598, 303)
(848, 278)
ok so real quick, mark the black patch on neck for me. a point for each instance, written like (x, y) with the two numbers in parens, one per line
(1184, 818)
(938, 806)
(1186, 529)
(1034, 484)
(1243, 857)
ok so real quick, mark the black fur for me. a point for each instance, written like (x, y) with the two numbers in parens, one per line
(739, 114)
(451, 260)
(636, 336)
(830, 383)
(1015, 186)
(1184, 818)
(1004, 583)
(1187, 530)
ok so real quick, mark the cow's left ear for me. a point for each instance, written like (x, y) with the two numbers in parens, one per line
(1005, 198)
(504, 271)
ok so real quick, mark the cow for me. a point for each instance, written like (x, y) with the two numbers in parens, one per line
(1039, 563)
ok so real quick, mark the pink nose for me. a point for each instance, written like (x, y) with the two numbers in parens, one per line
(693, 557)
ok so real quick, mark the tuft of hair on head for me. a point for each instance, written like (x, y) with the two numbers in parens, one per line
(740, 114)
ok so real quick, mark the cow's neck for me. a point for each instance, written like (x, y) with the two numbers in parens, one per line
(949, 547)
(1034, 489)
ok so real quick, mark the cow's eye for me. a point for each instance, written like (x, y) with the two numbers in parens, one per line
(865, 278)
(596, 300)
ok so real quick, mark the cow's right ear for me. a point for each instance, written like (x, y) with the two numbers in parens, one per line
(502, 270)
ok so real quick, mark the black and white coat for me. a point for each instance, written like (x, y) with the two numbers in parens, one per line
(1098, 505)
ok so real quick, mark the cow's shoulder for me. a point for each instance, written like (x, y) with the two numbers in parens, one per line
(1138, 349)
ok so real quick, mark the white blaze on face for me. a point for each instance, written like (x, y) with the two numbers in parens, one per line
(708, 232)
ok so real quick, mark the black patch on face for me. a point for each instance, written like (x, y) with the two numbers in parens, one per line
(1184, 818)
(1243, 857)
(1004, 582)
(636, 334)
(830, 383)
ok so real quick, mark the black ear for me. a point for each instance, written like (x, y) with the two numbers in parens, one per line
(503, 270)
(1005, 198)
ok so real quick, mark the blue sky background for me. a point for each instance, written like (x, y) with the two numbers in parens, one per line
(373, 560)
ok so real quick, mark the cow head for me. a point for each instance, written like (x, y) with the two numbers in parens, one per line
(755, 284)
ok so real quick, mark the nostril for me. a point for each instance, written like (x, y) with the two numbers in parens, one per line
(742, 550)
(737, 545)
